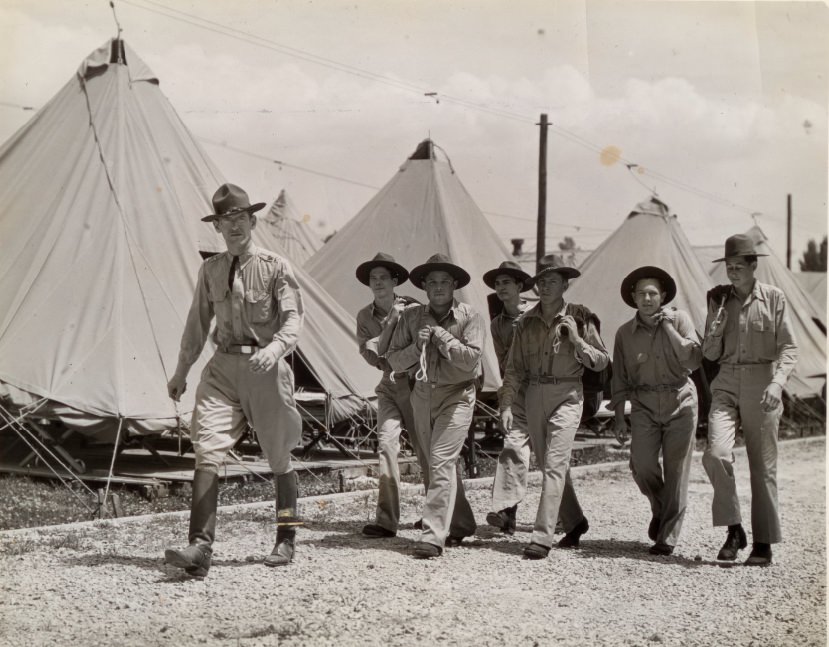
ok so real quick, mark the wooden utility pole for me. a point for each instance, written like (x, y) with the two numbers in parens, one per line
(789, 230)
(541, 232)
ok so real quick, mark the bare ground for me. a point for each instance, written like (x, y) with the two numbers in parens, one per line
(105, 583)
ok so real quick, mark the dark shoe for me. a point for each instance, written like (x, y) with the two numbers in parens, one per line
(536, 551)
(282, 553)
(760, 555)
(425, 550)
(195, 559)
(734, 541)
(661, 549)
(452, 541)
(504, 519)
(653, 528)
(418, 525)
(571, 539)
(376, 531)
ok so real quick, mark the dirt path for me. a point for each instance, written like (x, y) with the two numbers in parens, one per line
(105, 583)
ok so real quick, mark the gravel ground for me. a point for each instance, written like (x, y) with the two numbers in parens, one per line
(105, 583)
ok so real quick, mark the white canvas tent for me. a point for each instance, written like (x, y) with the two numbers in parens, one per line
(808, 320)
(100, 191)
(293, 236)
(650, 235)
(424, 209)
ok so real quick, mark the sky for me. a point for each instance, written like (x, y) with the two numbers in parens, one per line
(720, 108)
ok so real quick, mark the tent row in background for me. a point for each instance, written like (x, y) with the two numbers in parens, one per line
(102, 193)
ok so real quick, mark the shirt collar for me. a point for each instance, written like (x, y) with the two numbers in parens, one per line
(638, 323)
(245, 256)
(535, 311)
(397, 300)
(453, 310)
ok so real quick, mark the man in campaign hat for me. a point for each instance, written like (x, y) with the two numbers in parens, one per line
(255, 299)
(653, 357)
(749, 333)
(510, 483)
(442, 343)
(375, 326)
(553, 343)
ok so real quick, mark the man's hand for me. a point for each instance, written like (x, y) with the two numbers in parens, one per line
(667, 315)
(176, 387)
(572, 329)
(262, 361)
(423, 336)
(718, 325)
(772, 397)
(621, 431)
(506, 420)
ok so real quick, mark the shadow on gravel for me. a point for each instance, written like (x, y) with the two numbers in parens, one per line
(635, 550)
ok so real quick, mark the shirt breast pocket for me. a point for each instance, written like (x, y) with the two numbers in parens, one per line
(763, 336)
(259, 305)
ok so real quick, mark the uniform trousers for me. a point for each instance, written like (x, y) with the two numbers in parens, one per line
(664, 421)
(230, 394)
(442, 416)
(735, 401)
(509, 487)
(394, 412)
(553, 415)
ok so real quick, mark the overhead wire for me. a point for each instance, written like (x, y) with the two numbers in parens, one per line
(401, 84)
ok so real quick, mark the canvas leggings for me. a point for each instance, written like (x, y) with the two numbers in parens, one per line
(509, 487)
(664, 422)
(230, 396)
(394, 412)
(442, 416)
(735, 401)
(553, 415)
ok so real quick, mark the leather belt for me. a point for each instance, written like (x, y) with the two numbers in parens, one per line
(549, 379)
(676, 386)
(239, 349)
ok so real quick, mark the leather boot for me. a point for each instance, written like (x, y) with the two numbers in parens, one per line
(196, 558)
(287, 520)
(734, 541)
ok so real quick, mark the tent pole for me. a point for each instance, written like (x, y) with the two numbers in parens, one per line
(789, 231)
(541, 233)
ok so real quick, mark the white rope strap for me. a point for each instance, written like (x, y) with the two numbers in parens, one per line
(421, 375)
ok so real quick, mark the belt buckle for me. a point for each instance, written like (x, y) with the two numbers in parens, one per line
(247, 350)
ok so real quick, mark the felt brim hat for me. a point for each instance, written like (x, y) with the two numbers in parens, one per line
(647, 272)
(554, 263)
(739, 245)
(510, 268)
(230, 200)
(382, 260)
(439, 263)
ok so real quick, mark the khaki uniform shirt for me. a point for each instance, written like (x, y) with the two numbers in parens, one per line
(263, 308)
(646, 356)
(453, 355)
(533, 353)
(374, 334)
(502, 328)
(758, 331)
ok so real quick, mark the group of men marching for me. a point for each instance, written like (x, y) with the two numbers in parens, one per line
(430, 358)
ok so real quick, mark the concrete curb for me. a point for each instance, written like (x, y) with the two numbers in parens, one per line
(405, 488)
